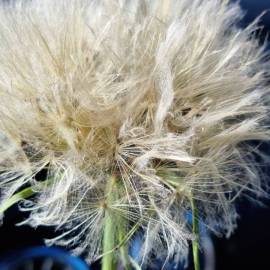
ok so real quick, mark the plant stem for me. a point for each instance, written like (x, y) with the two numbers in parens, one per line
(195, 230)
(135, 265)
(122, 232)
(109, 229)
(115, 229)
(108, 244)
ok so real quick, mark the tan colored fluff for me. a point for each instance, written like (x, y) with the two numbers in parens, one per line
(161, 94)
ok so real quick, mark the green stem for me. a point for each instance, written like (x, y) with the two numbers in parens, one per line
(108, 244)
(195, 230)
(122, 232)
(135, 265)
(115, 230)
(108, 262)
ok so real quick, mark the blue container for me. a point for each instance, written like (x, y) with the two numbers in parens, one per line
(42, 258)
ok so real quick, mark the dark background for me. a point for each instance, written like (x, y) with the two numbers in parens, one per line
(247, 249)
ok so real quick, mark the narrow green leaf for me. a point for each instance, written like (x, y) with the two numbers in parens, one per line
(195, 230)
(21, 195)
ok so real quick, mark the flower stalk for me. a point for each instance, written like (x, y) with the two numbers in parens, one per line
(108, 243)
(108, 262)
(115, 230)
(195, 231)
(124, 248)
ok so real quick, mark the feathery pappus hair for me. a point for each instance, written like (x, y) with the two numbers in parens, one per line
(134, 109)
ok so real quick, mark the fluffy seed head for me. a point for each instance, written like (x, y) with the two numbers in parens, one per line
(161, 96)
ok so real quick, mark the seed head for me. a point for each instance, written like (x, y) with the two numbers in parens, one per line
(133, 109)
